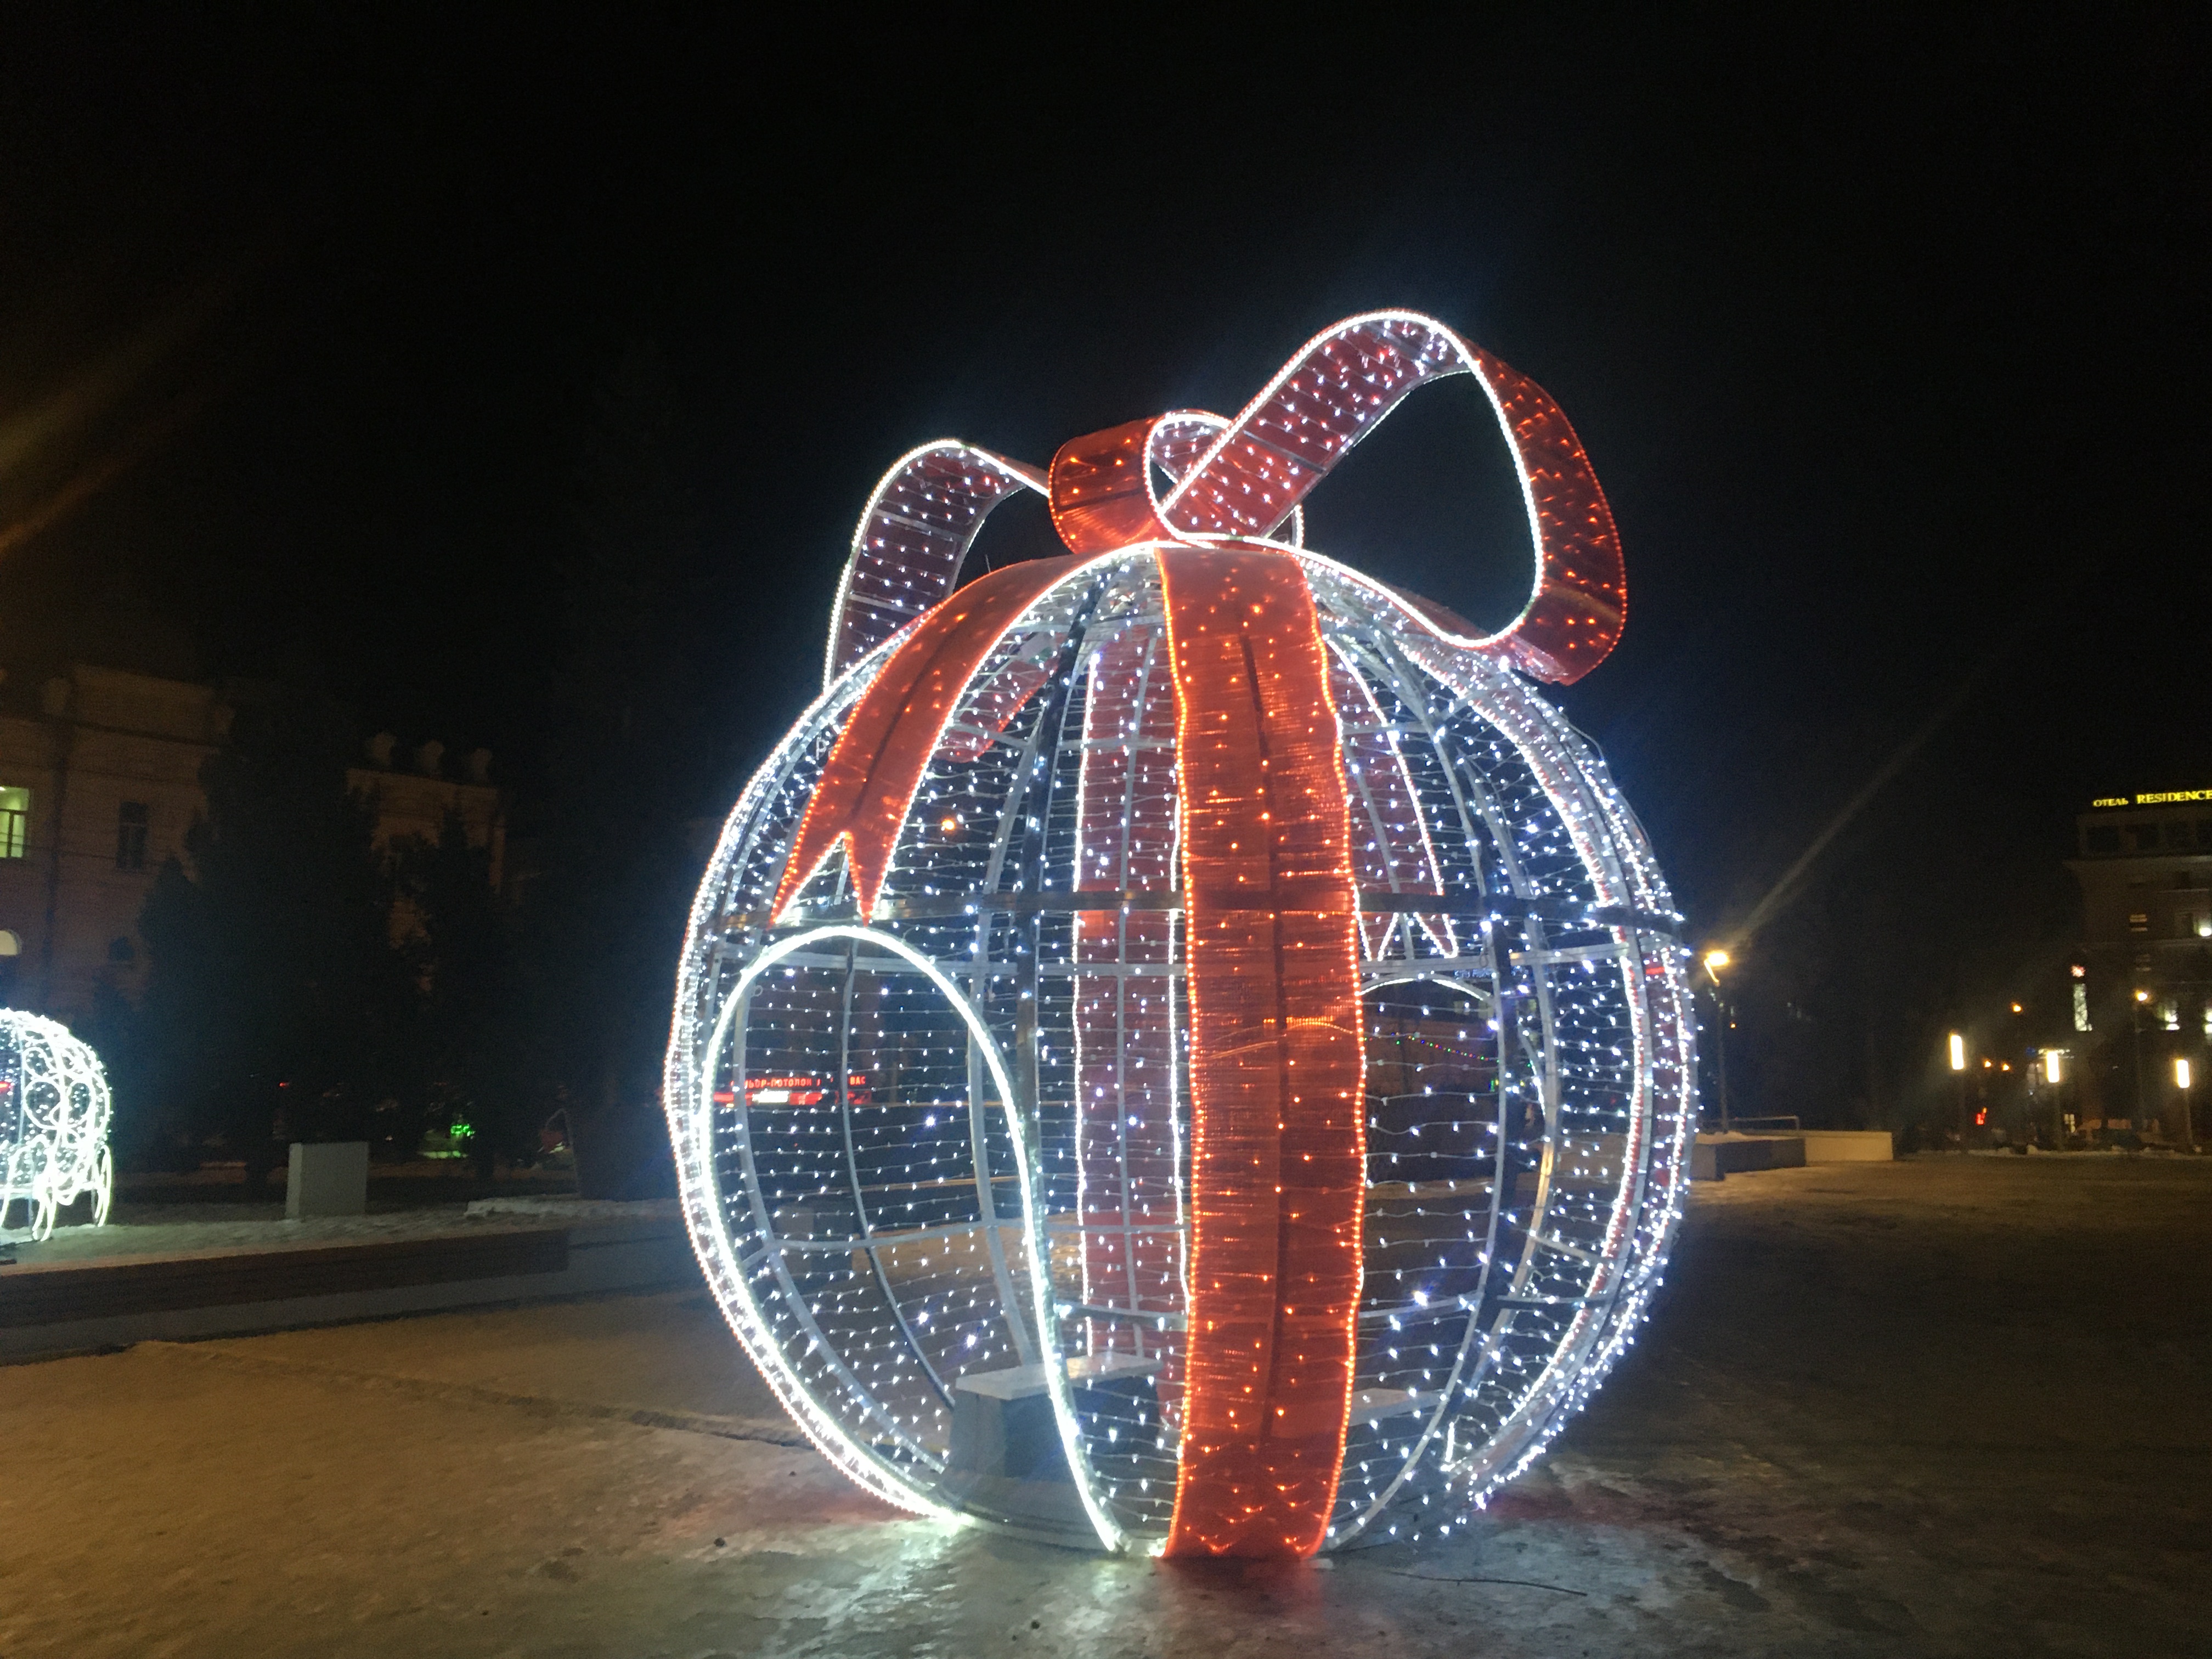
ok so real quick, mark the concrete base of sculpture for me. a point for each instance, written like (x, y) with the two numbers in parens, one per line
(1006, 1462)
(326, 1178)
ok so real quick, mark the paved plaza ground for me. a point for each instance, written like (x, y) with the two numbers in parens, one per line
(1947, 1405)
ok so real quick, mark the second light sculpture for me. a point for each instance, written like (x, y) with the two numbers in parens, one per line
(53, 1121)
(1182, 1047)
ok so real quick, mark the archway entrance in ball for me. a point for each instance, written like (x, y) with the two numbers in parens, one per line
(869, 1173)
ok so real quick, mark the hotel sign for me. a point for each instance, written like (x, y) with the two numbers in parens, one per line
(2159, 797)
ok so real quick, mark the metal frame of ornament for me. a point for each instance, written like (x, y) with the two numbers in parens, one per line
(934, 1117)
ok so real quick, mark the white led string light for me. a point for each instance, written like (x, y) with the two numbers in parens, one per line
(958, 483)
(1574, 1076)
(54, 1112)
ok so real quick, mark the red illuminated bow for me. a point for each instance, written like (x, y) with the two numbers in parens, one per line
(1247, 477)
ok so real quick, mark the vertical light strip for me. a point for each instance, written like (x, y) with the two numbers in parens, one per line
(1278, 1154)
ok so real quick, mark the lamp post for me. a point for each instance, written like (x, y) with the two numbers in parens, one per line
(1957, 1047)
(2055, 1075)
(1715, 961)
(2142, 997)
(2181, 1080)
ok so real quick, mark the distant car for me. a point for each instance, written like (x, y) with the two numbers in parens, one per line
(800, 1089)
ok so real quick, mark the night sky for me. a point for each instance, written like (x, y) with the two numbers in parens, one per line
(1887, 347)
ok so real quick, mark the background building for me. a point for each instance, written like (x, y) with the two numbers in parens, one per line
(100, 779)
(2143, 998)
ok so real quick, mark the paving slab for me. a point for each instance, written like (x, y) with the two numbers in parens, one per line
(1938, 1407)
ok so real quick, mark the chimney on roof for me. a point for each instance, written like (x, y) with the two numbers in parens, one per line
(380, 749)
(429, 757)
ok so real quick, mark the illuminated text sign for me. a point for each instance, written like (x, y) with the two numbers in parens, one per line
(2159, 798)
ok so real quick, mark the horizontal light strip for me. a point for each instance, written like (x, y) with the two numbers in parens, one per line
(1162, 1321)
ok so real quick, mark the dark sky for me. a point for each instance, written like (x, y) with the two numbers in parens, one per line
(1887, 345)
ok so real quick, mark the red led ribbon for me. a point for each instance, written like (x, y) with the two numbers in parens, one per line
(867, 783)
(1253, 476)
(1278, 1159)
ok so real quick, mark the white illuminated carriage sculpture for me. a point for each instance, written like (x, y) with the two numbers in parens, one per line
(941, 1109)
(53, 1121)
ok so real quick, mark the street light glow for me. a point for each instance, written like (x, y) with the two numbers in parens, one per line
(1715, 961)
(2050, 1064)
(2180, 1073)
(1958, 1052)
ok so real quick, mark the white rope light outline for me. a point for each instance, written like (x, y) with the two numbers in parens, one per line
(827, 1434)
(1016, 475)
(1470, 362)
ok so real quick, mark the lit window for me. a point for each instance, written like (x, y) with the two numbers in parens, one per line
(131, 820)
(2139, 922)
(15, 822)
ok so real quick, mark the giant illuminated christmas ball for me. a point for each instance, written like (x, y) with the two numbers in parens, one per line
(53, 1121)
(1182, 1047)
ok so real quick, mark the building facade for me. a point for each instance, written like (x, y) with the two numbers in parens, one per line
(100, 779)
(2143, 978)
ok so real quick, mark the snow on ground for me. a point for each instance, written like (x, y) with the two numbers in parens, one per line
(1950, 1406)
(139, 1230)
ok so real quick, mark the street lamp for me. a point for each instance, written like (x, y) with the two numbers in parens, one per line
(1716, 959)
(2054, 1073)
(2188, 1118)
(2143, 998)
(1958, 1070)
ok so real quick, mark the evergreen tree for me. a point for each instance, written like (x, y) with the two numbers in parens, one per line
(627, 765)
(275, 988)
(473, 1055)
